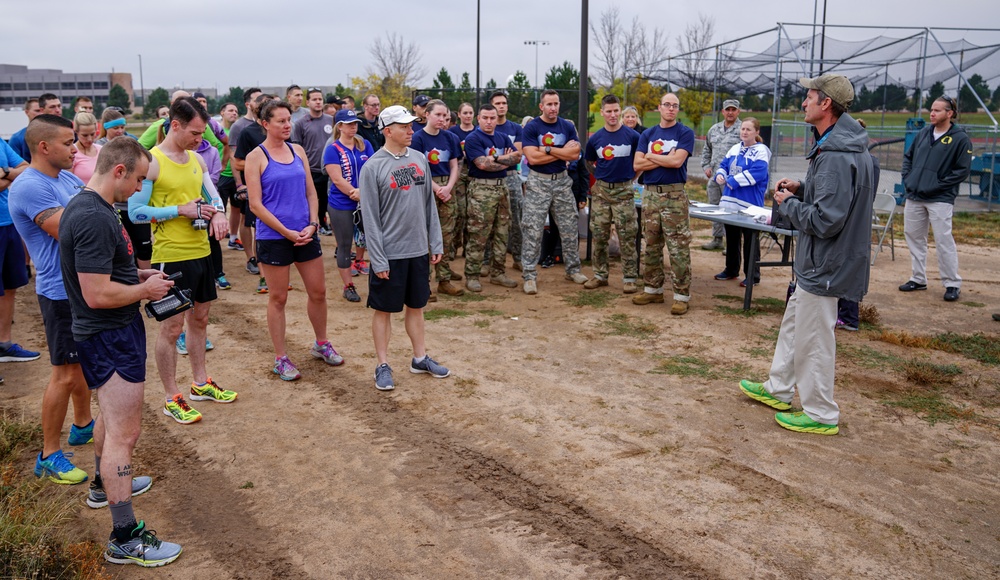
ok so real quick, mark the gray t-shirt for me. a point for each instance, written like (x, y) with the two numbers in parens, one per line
(92, 240)
(398, 207)
(313, 133)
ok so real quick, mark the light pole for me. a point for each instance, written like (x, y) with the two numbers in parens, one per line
(536, 44)
(142, 88)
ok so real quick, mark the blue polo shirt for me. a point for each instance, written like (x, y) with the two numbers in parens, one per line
(538, 133)
(32, 193)
(478, 144)
(613, 153)
(659, 141)
(439, 150)
(8, 158)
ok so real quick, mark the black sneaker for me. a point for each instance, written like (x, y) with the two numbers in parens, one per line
(951, 294)
(910, 286)
(351, 293)
(252, 267)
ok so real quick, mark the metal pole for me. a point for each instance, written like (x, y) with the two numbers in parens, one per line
(822, 41)
(958, 89)
(923, 71)
(142, 88)
(583, 124)
(812, 39)
(885, 90)
(774, 103)
(478, 80)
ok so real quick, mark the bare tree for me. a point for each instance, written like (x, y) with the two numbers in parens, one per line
(393, 58)
(700, 66)
(622, 52)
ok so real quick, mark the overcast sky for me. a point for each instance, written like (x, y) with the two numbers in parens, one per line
(194, 43)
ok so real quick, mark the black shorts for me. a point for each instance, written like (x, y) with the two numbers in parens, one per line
(13, 267)
(249, 220)
(121, 351)
(141, 236)
(58, 320)
(283, 252)
(408, 283)
(227, 191)
(199, 277)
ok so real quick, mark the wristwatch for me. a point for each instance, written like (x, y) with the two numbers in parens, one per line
(6, 172)
(548, 149)
(496, 157)
(314, 224)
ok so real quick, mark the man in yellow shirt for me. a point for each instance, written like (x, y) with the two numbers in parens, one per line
(179, 199)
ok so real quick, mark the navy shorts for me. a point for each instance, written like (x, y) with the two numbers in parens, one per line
(198, 277)
(283, 252)
(13, 267)
(121, 351)
(408, 283)
(58, 321)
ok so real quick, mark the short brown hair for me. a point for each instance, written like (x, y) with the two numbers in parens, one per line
(120, 152)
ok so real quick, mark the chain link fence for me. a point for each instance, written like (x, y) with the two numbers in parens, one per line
(520, 102)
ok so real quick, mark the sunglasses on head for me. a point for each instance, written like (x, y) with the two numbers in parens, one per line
(951, 102)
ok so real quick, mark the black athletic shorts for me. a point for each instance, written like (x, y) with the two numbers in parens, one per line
(283, 252)
(249, 220)
(122, 351)
(227, 191)
(58, 321)
(199, 277)
(408, 283)
(140, 234)
(13, 267)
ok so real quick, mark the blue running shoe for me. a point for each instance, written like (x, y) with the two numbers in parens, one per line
(59, 469)
(143, 548)
(429, 366)
(17, 354)
(97, 498)
(81, 435)
(182, 344)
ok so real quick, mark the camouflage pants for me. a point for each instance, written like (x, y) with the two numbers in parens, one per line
(460, 193)
(446, 214)
(488, 220)
(542, 194)
(665, 219)
(514, 240)
(614, 206)
(714, 191)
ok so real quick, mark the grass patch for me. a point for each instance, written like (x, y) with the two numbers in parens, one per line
(465, 387)
(491, 312)
(481, 324)
(625, 325)
(925, 373)
(594, 299)
(442, 313)
(868, 358)
(931, 407)
(978, 346)
(247, 485)
(971, 304)
(978, 229)
(868, 314)
(32, 515)
(689, 366)
(469, 297)
(758, 306)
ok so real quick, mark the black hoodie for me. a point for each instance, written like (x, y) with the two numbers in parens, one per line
(933, 170)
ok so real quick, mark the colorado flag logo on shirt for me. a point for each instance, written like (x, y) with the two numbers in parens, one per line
(609, 152)
(661, 147)
(549, 139)
(436, 156)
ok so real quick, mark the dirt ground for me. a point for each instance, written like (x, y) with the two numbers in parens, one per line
(562, 446)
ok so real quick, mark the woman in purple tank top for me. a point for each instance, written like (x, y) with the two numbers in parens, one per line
(282, 196)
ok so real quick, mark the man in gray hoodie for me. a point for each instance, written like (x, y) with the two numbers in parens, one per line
(832, 210)
(401, 225)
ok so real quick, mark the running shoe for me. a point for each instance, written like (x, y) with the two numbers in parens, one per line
(285, 370)
(802, 423)
(252, 267)
(262, 286)
(81, 435)
(222, 283)
(210, 391)
(181, 344)
(59, 469)
(17, 354)
(351, 293)
(143, 548)
(757, 392)
(98, 498)
(354, 269)
(208, 345)
(383, 378)
(181, 412)
(362, 267)
(235, 244)
(841, 325)
(326, 352)
(325, 231)
(429, 366)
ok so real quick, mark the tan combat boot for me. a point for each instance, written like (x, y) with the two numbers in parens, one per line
(647, 298)
(446, 287)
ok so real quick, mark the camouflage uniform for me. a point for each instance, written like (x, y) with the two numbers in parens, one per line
(446, 214)
(460, 194)
(614, 203)
(544, 193)
(488, 218)
(514, 239)
(665, 219)
(717, 143)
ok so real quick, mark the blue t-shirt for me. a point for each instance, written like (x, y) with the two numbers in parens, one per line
(461, 134)
(538, 133)
(19, 145)
(32, 193)
(659, 141)
(479, 144)
(513, 131)
(613, 152)
(10, 159)
(351, 161)
(439, 150)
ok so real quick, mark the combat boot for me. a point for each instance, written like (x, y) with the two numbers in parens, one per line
(446, 287)
(679, 308)
(629, 288)
(647, 298)
(595, 282)
(473, 284)
(715, 244)
(503, 280)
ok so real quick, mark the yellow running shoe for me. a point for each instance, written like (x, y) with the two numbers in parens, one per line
(212, 392)
(179, 409)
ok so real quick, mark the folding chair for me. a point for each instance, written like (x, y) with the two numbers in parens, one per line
(884, 204)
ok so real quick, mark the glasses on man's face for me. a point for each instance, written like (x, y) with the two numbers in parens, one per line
(670, 105)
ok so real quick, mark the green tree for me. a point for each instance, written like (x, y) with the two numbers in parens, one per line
(995, 99)
(751, 102)
(443, 80)
(937, 89)
(118, 97)
(967, 103)
(520, 97)
(564, 76)
(341, 91)
(234, 96)
(159, 98)
(490, 85)
(695, 104)
(390, 90)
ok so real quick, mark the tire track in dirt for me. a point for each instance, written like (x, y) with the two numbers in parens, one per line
(538, 505)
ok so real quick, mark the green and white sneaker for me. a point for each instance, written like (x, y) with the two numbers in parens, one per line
(757, 392)
(143, 548)
(802, 423)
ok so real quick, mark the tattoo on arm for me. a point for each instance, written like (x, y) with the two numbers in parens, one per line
(485, 163)
(509, 160)
(46, 214)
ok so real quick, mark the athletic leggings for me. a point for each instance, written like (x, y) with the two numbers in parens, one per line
(342, 222)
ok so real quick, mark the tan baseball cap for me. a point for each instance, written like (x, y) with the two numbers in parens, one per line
(837, 87)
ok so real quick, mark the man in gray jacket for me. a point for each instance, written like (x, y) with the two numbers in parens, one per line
(832, 210)
(401, 224)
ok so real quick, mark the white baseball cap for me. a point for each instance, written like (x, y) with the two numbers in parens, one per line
(393, 115)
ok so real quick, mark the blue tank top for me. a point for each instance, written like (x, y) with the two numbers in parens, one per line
(283, 193)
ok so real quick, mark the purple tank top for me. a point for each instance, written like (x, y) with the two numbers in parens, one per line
(283, 193)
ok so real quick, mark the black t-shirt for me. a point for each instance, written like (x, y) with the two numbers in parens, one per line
(92, 240)
(250, 138)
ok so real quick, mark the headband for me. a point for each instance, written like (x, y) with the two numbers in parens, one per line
(115, 123)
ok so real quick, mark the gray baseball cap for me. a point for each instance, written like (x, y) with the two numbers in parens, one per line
(730, 103)
(837, 87)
